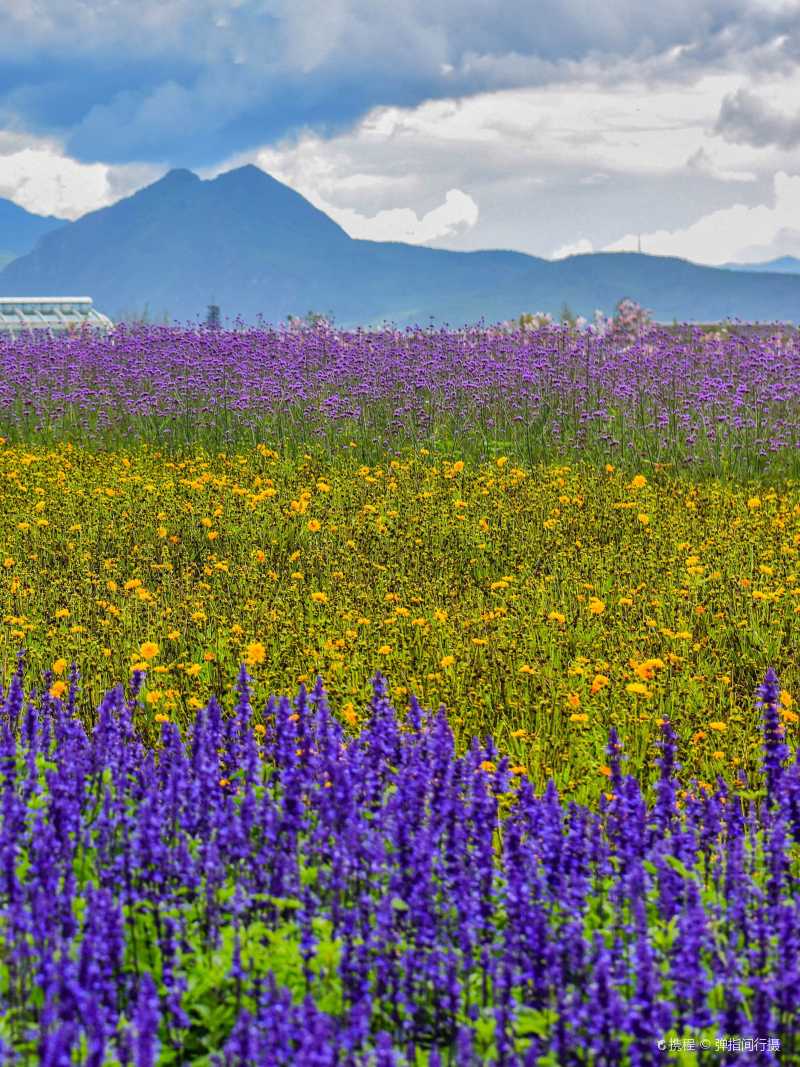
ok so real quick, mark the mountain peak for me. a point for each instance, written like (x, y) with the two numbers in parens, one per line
(180, 176)
(246, 174)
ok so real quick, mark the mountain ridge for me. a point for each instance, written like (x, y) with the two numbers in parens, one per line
(256, 247)
(21, 229)
(781, 265)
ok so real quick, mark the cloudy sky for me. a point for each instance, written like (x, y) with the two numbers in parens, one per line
(567, 127)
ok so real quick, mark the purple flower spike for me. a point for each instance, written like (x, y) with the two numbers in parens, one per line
(775, 749)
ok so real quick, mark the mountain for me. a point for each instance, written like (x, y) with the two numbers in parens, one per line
(20, 230)
(784, 265)
(254, 246)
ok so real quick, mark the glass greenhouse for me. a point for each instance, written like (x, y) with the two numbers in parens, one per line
(51, 314)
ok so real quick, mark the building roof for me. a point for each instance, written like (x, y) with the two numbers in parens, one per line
(49, 314)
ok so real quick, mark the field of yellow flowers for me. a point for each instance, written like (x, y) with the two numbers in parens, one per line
(541, 605)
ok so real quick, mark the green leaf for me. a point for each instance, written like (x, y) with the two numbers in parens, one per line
(678, 867)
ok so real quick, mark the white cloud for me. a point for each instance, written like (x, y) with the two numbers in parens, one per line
(729, 234)
(702, 162)
(45, 182)
(514, 151)
(459, 211)
(577, 248)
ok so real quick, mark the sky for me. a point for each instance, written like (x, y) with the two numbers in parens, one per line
(563, 127)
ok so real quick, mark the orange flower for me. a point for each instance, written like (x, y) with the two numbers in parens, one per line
(599, 682)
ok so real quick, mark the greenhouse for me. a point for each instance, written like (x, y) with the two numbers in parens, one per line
(50, 314)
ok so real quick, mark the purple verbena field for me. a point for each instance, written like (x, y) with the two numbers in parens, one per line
(728, 405)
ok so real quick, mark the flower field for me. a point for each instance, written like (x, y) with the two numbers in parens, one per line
(726, 404)
(535, 816)
(273, 893)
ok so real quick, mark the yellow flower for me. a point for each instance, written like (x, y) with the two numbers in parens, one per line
(646, 671)
(62, 613)
(488, 766)
(161, 717)
(148, 650)
(638, 482)
(174, 635)
(447, 661)
(573, 700)
(556, 616)
(610, 468)
(754, 502)
(323, 486)
(349, 714)
(319, 598)
(501, 461)
(638, 689)
(596, 605)
(59, 666)
(720, 727)
(193, 670)
(519, 733)
(8, 562)
(786, 698)
(256, 653)
(259, 729)
(209, 657)
(579, 717)
(644, 519)
(313, 525)
(599, 682)
(57, 690)
(194, 703)
(458, 466)
(384, 650)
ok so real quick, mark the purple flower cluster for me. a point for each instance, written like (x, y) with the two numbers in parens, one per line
(283, 894)
(682, 397)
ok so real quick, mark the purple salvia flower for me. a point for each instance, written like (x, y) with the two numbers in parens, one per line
(775, 749)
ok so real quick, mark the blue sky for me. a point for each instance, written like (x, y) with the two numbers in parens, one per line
(565, 126)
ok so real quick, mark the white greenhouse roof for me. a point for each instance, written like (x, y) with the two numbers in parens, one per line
(50, 314)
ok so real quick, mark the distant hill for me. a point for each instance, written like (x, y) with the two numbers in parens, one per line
(784, 265)
(20, 230)
(255, 247)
